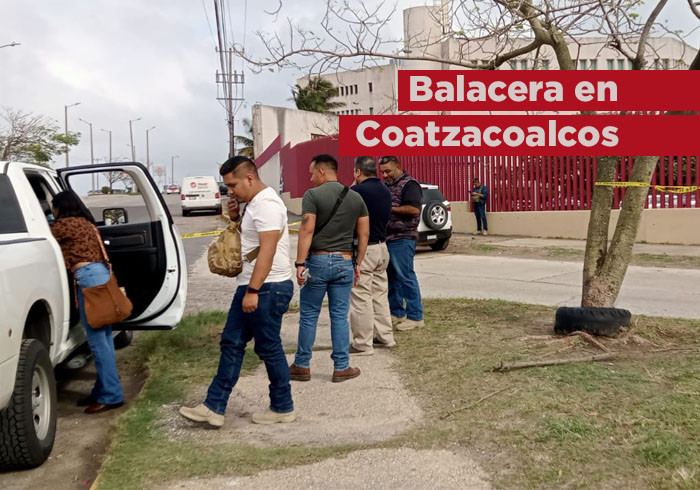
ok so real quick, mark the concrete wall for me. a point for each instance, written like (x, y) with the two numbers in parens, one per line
(270, 172)
(658, 225)
(292, 125)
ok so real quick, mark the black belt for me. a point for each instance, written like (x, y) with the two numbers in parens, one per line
(376, 242)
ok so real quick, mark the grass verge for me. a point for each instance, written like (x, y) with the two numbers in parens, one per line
(626, 424)
(141, 456)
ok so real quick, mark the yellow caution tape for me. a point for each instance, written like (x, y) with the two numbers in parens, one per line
(675, 189)
(201, 234)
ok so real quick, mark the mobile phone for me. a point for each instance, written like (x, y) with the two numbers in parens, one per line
(304, 275)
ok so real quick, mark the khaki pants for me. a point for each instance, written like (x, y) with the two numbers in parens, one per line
(369, 304)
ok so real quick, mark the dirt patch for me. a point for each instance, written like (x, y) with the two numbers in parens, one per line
(371, 408)
(81, 440)
(376, 468)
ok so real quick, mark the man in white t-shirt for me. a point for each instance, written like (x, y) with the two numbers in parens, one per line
(264, 291)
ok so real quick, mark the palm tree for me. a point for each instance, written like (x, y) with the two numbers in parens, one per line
(245, 141)
(315, 97)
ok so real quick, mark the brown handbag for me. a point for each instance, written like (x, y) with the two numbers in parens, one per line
(106, 304)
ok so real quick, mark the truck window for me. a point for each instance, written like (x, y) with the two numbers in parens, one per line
(11, 219)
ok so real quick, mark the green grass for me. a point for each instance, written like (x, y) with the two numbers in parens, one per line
(141, 454)
(633, 423)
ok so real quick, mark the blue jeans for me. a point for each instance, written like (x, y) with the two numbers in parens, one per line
(404, 292)
(107, 388)
(264, 326)
(480, 213)
(332, 274)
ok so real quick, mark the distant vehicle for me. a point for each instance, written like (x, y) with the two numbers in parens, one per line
(435, 227)
(223, 190)
(200, 194)
(94, 193)
(172, 189)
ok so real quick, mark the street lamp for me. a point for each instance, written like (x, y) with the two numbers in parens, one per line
(92, 154)
(110, 142)
(131, 136)
(66, 114)
(172, 168)
(148, 152)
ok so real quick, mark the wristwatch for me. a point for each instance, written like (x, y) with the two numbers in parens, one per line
(252, 290)
(299, 264)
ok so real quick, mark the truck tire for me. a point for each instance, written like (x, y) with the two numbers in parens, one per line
(28, 424)
(123, 339)
(435, 215)
(596, 321)
(440, 244)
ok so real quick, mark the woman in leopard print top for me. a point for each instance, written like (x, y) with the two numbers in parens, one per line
(76, 233)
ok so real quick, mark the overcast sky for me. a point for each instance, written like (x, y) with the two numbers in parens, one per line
(124, 59)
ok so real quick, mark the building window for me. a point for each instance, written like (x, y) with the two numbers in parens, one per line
(545, 64)
(582, 65)
(611, 64)
(630, 65)
(370, 86)
(620, 64)
(513, 64)
(656, 64)
(523, 64)
(666, 63)
(355, 88)
(593, 64)
(342, 91)
(371, 111)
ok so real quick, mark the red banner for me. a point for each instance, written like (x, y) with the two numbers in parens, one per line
(548, 90)
(519, 135)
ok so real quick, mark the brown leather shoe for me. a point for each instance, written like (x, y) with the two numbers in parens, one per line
(345, 374)
(299, 373)
(102, 407)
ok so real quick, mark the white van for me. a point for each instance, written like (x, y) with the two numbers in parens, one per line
(200, 193)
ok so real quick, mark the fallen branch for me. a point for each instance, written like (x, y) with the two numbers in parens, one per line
(510, 366)
(472, 405)
(590, 340)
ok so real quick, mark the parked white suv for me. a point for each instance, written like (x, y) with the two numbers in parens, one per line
(40, 324)
(435, 227)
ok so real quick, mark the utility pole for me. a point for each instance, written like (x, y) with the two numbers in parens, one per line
(110, 142)
(131, 136)
(66, 114)
(227, 78)
(148, 152)
(172, 168)
(92, 153)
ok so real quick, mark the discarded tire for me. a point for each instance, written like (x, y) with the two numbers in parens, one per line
(596, 321)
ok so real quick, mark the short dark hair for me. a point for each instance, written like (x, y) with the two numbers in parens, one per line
(366, 165)
(238, 163)
(389, 159)
(327, 160)
(476, 179)
(69, 205)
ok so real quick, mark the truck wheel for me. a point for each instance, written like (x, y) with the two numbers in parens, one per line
(440, 244)
(123, 339)
(28, 424)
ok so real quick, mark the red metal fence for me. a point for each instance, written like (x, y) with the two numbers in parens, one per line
(515, 183)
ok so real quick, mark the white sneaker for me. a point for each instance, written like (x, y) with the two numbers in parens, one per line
(485, 233)
(410, 325)
(201, 413)
(269, 417)
(395, 320)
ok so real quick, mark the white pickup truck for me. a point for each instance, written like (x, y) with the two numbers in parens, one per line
(39, 324)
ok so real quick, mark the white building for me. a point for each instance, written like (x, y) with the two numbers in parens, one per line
(373, 90)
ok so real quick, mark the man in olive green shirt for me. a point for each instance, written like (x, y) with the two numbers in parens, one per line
(332, 215)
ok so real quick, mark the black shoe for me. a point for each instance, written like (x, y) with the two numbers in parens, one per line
(85, 401)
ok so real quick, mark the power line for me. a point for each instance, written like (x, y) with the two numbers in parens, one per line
(206, 15)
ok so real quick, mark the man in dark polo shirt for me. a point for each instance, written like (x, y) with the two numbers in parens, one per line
(331, 215)
(402, 235)
(370, 318)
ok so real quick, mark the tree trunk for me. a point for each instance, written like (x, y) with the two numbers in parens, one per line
(605, 268)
